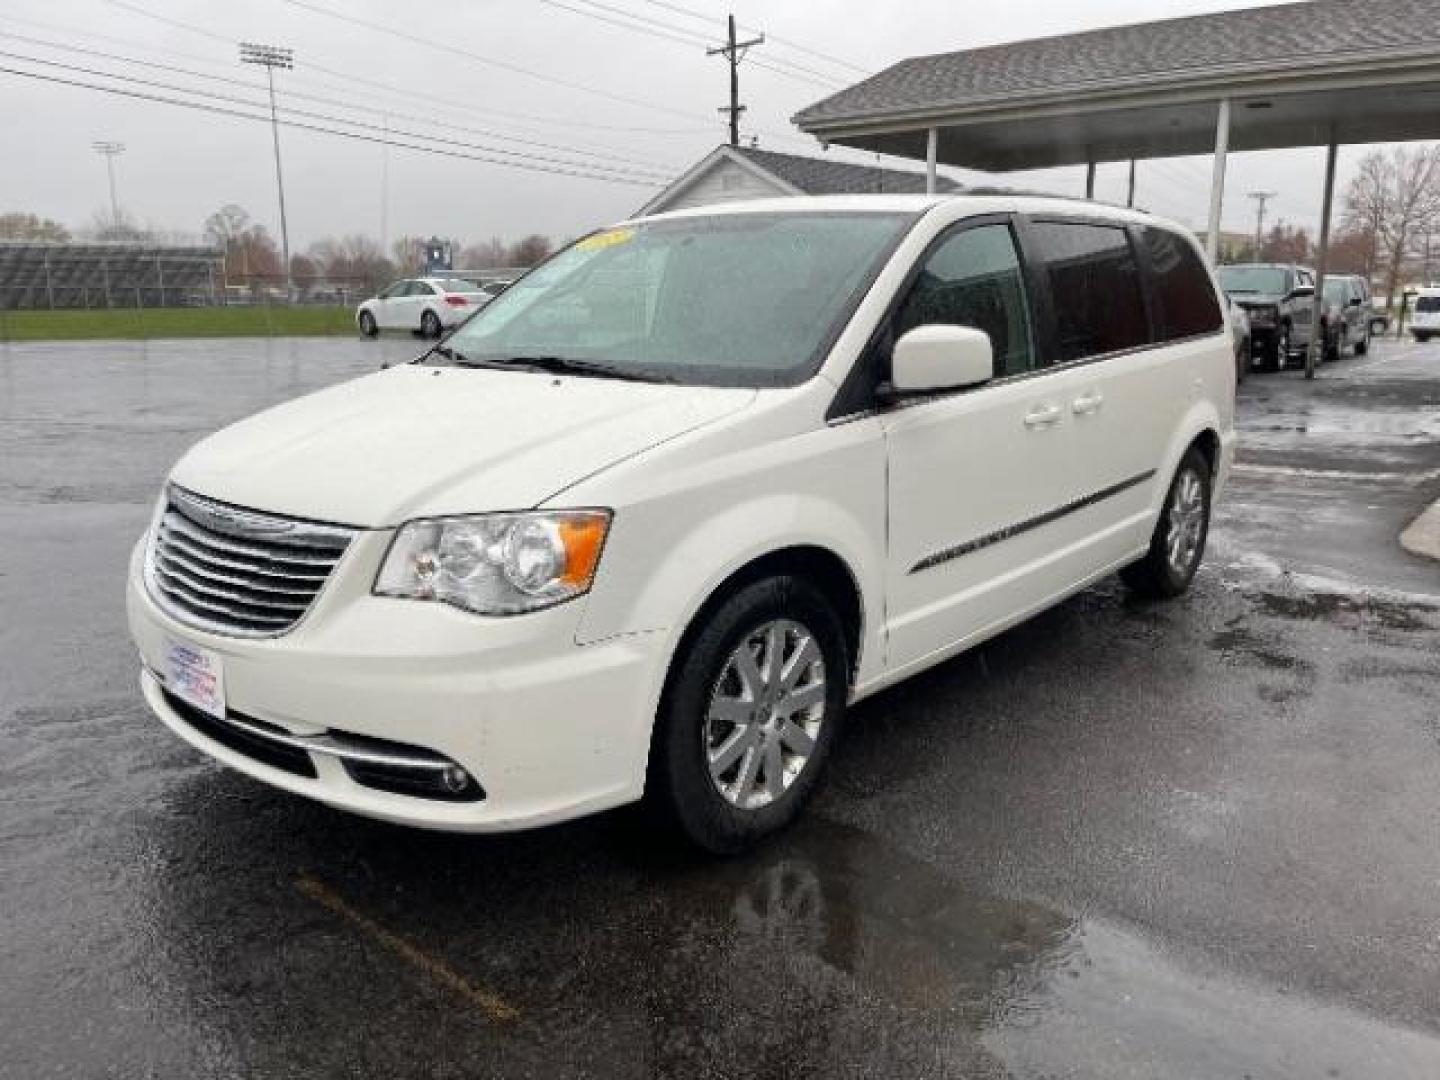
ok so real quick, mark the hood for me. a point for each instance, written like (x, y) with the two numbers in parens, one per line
(427, 441)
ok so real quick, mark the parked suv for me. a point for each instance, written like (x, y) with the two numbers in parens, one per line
(649, 522)
(1280, 300)
(1346, 317)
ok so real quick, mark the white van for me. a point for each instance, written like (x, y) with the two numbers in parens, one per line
(1425, 322)
(656, 516)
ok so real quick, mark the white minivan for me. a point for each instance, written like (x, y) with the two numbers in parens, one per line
(649, 522)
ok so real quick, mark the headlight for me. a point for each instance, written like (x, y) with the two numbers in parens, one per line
(496, 564)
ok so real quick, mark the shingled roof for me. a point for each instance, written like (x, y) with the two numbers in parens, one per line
(826, 176)
(1196, 47)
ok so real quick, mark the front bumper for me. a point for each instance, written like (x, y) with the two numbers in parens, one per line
(549, 729)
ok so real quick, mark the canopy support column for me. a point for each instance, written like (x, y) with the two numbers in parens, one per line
(932, 147)
(1217, 180)
(1317, 340)
(1090, 179)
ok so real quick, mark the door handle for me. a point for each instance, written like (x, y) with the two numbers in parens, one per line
(1043, 416)
(1087, 403)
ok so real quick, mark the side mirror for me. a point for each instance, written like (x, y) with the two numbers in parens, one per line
(940, 357)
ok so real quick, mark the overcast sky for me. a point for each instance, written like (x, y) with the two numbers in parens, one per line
(608, 96)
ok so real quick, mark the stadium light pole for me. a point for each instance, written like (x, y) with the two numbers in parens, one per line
(270, 57)
(111, 150)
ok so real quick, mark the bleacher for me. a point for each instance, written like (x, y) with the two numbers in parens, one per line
(109, 274)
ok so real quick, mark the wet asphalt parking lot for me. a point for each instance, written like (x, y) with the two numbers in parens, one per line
(1199, 839)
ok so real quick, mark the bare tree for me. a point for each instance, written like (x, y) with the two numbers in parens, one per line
(354, 259)
(21, 226)
(106, 226)
(486, 255)
(1395, 199)
(227, 224)
(530, 250)
(408, 255)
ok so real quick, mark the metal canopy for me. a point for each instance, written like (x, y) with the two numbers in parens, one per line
(1287, 112)
(1321, 73)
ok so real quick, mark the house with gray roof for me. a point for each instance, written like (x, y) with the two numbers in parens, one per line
(733, 173)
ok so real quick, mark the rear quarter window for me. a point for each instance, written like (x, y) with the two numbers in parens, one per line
(1184, 298)
(1095, 289)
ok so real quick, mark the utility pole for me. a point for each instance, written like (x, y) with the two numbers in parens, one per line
(1130, 192)
(270, 57)
(734, 52)
(111, 150)
(1261, 198)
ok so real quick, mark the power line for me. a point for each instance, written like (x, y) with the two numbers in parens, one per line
(478, 58)
(335, 75)
(301, 96)
(685, 36)
(692, 13)
(593, 167)
(358, 136)
(783, 136)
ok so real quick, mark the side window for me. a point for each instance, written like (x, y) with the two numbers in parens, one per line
(1095, 288)
(393, 290)
(974, 279)
(1183, 293)
(420, 288)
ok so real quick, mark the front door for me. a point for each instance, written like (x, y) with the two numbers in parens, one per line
(389, 305)
(979, 480)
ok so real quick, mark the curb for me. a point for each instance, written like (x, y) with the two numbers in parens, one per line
(1423, 535)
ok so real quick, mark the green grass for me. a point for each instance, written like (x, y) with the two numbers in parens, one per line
(197, 322)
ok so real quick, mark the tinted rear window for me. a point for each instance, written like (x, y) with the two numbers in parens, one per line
(1427, 303)
(1183, 293)
(1095, 287)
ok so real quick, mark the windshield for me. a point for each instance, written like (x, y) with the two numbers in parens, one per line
(731, 300)
(1253, 279)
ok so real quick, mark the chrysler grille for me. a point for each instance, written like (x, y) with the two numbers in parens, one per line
(238, 572)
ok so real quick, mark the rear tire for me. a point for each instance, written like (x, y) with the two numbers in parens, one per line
(368, 326)
(1178, 543)
(430, 325)
(752, 707)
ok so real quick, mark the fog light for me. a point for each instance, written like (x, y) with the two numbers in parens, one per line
(454, 778)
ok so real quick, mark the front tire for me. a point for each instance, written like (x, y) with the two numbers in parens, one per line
(1362, 347)
(1178, 543)
(430, 325)
(368, 326)
(751, 710)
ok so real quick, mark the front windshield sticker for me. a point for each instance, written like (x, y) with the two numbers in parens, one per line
(608, 238)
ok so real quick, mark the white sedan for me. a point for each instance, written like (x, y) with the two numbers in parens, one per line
(429, 306)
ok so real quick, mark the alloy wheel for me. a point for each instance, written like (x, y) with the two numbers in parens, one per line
(765, 714)
(1187, 522)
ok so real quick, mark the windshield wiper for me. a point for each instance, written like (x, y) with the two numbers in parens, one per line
(569, 365)
(459, 359)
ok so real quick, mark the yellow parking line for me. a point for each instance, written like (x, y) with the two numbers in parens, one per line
(491, 1004)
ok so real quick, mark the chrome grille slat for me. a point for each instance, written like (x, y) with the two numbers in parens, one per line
(172, 556)
(204, 588)
(226, 542)
(235, 571)
(177, 541)
(219, 608)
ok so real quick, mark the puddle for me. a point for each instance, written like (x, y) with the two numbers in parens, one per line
(1343, 609)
